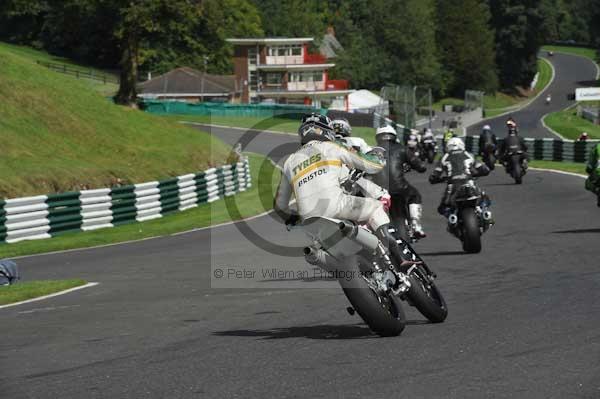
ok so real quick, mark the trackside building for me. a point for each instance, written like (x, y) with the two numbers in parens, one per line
(282, 70)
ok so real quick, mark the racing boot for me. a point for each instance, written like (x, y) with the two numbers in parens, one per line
(389, 241)
(415, 212)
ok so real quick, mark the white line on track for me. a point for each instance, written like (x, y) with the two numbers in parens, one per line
(50, 295)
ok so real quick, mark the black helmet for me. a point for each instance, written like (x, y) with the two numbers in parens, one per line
(315, 127)
(341, 127)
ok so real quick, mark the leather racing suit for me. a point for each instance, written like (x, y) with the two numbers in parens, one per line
(457, 168)
(314, 173)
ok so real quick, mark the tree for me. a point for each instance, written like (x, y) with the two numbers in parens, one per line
(518, 40)
(142, 22)
(466, 44)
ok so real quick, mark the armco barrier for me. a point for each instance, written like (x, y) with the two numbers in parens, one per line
(45, 216)
(547, 149)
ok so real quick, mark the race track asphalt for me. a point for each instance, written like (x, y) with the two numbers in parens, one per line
(570, 72)
(523, 315)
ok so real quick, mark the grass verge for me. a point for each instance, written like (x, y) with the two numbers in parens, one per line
(59, 135)
(499, 103)
(256, 200)
(573, 167)
(569, 125)
(34, 289)
(580, 51)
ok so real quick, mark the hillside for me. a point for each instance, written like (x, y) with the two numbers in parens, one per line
(58, 134)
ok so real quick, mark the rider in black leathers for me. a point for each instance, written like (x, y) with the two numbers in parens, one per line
(392, 178)
(457, 167)
(486, 138)
(511, 144)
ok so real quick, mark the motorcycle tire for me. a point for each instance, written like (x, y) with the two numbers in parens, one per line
(471, 235)
(491, 161)
(430, 156)
(426, 297)
(515, 170)
(383, 314)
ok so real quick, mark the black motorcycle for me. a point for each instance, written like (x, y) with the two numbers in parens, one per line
(470, 217)
(488, 155)
(515, 165)
(428, 150)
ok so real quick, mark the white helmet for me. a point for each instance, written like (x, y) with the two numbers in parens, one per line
(387, 129)
(455, 144)
(487, 127)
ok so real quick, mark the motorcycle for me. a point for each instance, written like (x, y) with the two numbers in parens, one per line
(374, 286)
(489, 156)
(429, 149)
(470, 217)
(515, 166)
(377, 286)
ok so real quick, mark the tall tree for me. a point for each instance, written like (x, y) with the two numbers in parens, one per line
(518, 40)
(466, 44)
(139, 24)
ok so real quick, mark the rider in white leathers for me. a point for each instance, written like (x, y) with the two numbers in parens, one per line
(313, 174)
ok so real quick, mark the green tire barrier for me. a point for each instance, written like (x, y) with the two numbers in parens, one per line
(547, 149)
(46, 216)
(226, 109)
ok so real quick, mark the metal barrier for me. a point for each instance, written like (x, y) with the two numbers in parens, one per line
(46, 216)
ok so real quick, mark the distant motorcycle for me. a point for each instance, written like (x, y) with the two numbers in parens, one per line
(488, 155)
(515, 165)
(428, 149)
(470, 217)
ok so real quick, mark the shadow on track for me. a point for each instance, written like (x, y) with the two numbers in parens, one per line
(324, 331)
(443, 253)
(580, 231)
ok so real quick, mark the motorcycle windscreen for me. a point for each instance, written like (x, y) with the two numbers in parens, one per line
(327, 232)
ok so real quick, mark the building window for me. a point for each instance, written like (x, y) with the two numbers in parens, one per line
(297, 49)
(274, 78)
(307, 76)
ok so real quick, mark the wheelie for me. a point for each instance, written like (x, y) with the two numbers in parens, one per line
(465, 206)
(352, 233)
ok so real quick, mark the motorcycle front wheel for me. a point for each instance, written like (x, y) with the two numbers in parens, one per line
(426, 297)
(382, 313)
(471, 235)
(430, 156)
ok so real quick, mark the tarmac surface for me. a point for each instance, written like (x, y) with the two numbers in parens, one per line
(523, 314)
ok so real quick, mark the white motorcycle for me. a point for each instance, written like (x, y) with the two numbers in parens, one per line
(373, 284)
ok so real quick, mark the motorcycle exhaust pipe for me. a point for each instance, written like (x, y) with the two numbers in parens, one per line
(358, 235)
(318, 257)
(453, 219)
(487, 215)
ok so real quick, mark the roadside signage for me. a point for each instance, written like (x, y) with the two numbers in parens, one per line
(587, 94)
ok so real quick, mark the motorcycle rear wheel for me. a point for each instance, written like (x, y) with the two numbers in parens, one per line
(516, 171)
(383, 314)
(471, 237)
